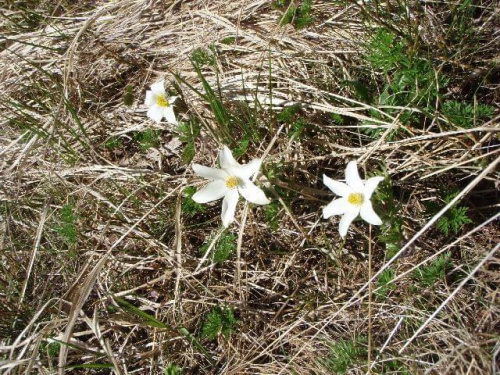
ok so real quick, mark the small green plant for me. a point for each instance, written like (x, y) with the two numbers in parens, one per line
(51, 347)
(189, 207)
(384, 283)
(298, 127)
(128, 98)
(202, 57)
(187, 133)
(67, 224)
(300, 16)
(430, 274)
(410, 81)
(241, 147)
(173, 369)
(343, 355)
(223, 249)
(228, 40)
(271, 212)
(385, 51)
(466, 115)
(148, 138)
(392, 226)
(304, 17)
(288, 114)
(113, 143)
(219, 320)
(455, 218)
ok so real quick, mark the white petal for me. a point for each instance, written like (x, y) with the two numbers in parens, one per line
(352, 177)
(248, 170)
(229, 207)
(172, 99)
(346, 220)
(336, 207)
(155, 113)
(213, 191)
(210, 173)
(337, 187)
(252, 193)
(370, 186)
(226, 159)
(170, 115)
(368, 214)
(158, 88)
(150, 98)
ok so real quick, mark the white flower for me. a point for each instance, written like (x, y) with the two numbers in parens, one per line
(354, 198)
(159, 105)
(229, 181)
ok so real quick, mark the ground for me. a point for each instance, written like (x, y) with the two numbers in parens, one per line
(109, 266)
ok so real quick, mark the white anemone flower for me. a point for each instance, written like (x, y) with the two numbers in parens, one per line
(159, 104)
(354, 198)
(228, 182)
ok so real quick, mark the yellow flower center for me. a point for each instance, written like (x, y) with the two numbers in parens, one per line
(355, 199)
(162, 101)
(231, 182)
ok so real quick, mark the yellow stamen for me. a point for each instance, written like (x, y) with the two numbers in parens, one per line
(162, 101)
(355, 199)
(232, 182)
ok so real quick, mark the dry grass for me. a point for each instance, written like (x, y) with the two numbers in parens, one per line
(90, 214)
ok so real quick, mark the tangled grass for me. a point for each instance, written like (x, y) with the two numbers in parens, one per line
(108, 266)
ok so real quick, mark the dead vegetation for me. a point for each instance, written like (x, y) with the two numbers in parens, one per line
(102, 267)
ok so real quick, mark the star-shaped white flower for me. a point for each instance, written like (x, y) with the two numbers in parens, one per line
(159, 104)
(354, 198)
(231, 180)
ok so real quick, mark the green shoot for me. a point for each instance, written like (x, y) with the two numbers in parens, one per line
(220, 320)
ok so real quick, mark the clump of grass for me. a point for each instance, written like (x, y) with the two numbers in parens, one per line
(173, 369)
(67, 225)
(220, 320)
(344, 354)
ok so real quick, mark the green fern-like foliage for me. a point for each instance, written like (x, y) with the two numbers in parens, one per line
(454, 219)
(384, 284)
(219, 320)
(466, 115)
(411, 80)
(148, 138)
(187, 133)
(271, 212)
(385, 51)
(188, 206)
(430, 274)
(224, 248)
